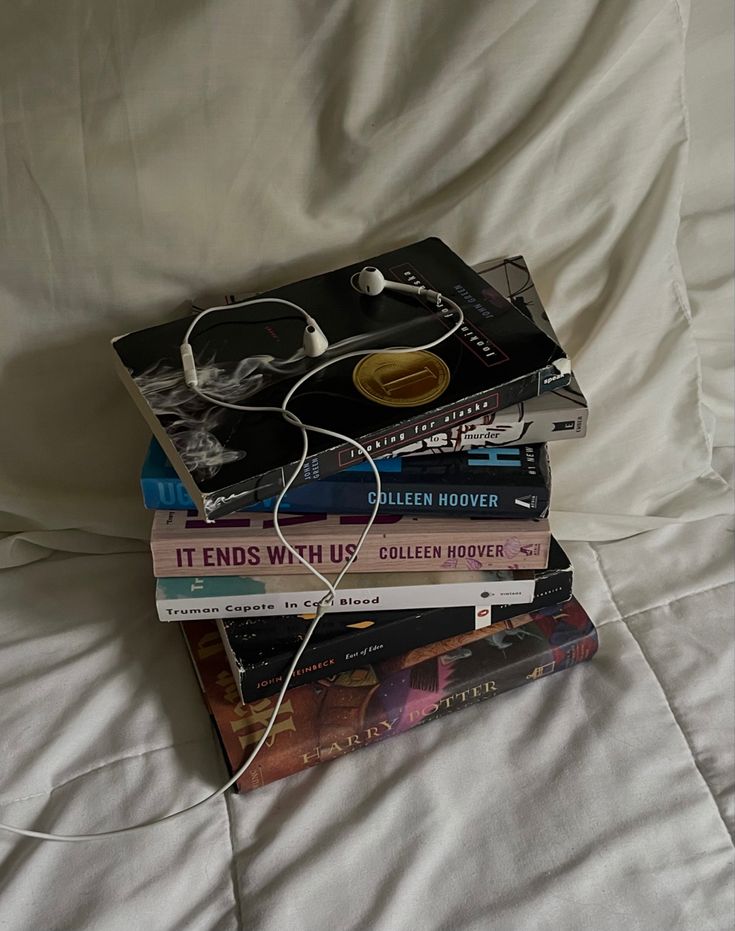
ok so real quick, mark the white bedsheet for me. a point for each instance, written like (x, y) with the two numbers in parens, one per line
(156, 152)
(602, 797)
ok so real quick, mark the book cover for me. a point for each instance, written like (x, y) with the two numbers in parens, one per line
(508, 482)
(323, 720)
(497, 358)
(183, 544)
(203, 597)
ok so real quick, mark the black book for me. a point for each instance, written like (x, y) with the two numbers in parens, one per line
(231, 459)
(261, 649)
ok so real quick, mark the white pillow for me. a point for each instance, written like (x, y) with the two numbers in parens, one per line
(152, 159)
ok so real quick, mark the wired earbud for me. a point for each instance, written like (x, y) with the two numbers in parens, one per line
(315, 343)
(370, 281)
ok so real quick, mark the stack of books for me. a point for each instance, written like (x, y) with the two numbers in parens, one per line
(460, 592)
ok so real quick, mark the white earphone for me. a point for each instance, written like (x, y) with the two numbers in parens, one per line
(315, 343)
(370, 281)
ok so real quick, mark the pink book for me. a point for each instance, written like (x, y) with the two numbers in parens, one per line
(239, 544)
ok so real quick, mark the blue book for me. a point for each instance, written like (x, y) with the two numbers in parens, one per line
(506, 482)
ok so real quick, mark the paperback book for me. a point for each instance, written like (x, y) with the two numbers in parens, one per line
(498, 357)
(183, 544)
(507, 482)
(323, 720)
(203, 597)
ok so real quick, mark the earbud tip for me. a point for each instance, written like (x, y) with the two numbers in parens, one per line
(315, 342)
(370, 281)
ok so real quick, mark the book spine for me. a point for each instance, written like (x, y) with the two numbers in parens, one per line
(327, 496)
(506, 502)
(478, 548)
(360, 708)
(520, 389)
(270, 604)
(525, 426)
(253, 636)
(377, 444)
(265, 676)
(259, 679)
(466, 693)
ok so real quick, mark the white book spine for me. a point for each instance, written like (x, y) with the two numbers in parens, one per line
(473, 594)
(539, 420)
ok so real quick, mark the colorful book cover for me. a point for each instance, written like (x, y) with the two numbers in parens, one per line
(506, 483)
(497, 358)
(228, 596)
(183, 544)
(323, 720)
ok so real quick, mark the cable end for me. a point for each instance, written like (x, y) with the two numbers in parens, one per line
(189, 366)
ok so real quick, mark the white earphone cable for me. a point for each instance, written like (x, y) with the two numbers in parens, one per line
(246, 303)
(331, 587)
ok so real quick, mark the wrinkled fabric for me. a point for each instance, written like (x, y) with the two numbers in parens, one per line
(602, 797)
(154, 153)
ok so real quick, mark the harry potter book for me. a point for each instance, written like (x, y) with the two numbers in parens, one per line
(183, 545)
(335, 715)
(497, 358)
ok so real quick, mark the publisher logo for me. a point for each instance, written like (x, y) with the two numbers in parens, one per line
(401, 379)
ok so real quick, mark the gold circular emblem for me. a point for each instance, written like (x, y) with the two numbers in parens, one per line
(401, 379)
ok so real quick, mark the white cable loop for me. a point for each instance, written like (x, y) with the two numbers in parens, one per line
(331, 587)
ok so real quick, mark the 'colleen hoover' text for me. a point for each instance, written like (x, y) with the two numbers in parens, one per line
(427, 499)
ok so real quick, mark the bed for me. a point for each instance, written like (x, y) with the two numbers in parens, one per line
(159, 152)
